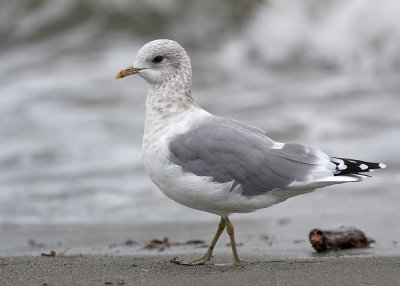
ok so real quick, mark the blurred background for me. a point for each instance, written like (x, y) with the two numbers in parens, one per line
(325, 73)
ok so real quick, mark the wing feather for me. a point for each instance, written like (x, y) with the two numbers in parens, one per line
(229, 151)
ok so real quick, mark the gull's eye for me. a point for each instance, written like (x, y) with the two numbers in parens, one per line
(157, 59)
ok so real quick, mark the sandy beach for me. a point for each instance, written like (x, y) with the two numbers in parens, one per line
(157, 270)
(273, 253)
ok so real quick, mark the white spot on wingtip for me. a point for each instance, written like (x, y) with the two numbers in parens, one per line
(278, 145)
(342, 167)
(382, 166)
(363, 167)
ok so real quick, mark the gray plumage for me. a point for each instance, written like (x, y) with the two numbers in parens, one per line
(228, 150)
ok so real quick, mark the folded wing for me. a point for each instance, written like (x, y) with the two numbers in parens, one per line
(229, 151)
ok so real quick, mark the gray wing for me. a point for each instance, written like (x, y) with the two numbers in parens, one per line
(228, 150)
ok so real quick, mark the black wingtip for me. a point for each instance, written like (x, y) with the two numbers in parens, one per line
(346, 166)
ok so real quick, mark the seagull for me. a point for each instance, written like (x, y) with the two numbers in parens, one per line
(216, 164)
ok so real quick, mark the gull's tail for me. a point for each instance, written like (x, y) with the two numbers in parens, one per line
(354, 167)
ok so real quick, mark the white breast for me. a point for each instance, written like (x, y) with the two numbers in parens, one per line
(168, 177)
(188, 189)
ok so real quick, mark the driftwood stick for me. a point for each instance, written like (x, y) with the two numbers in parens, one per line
(341, 238)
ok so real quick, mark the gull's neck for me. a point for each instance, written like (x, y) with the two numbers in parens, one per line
(166, 103)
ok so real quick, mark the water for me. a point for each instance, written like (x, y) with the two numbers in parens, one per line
(325, 73)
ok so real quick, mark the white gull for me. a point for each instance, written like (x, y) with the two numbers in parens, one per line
(216, 164)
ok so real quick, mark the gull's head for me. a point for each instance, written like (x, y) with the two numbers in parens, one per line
(160, 61)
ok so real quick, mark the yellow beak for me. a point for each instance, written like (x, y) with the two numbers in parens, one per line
(128, 71)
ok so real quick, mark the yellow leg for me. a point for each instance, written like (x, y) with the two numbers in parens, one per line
(231, 231)
(207, 256)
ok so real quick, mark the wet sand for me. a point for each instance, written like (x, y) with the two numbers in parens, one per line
(274, 253)
(157, 270)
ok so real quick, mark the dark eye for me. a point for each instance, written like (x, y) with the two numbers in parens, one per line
(157, 59)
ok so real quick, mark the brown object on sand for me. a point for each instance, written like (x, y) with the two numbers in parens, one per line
(341, 238)
(162, 244)
(158, 244)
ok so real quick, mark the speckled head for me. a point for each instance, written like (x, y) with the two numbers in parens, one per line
(159, 62)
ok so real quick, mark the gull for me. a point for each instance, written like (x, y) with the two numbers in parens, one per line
(220, 165)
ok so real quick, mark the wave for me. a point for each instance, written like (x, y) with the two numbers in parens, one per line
(353, 35)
